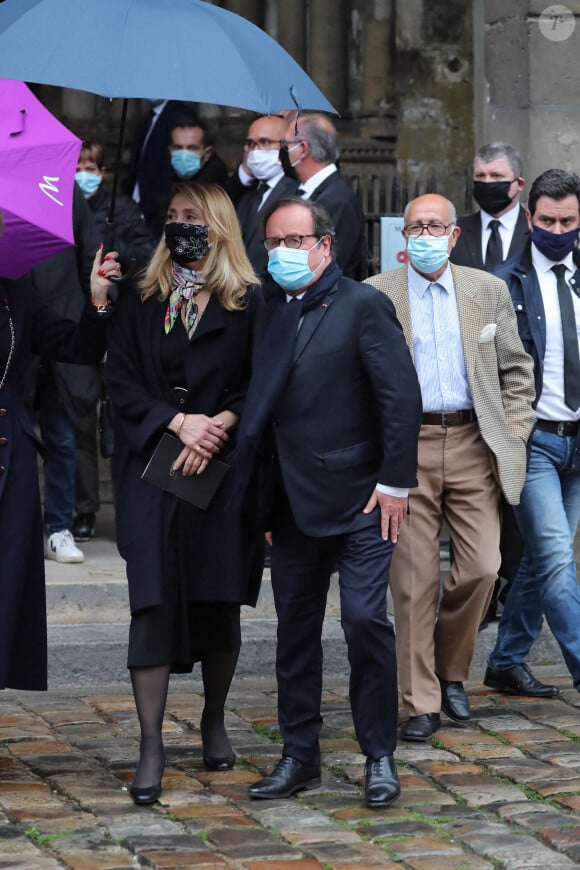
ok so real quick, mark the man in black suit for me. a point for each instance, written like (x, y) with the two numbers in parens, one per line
(335, 403)
(263, 181)
(149, 173)
(309, 153)
(499, 230)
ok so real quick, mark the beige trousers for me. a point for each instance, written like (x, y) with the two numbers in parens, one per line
(437, 619)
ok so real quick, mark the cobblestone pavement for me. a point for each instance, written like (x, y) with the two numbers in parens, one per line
(503, 793)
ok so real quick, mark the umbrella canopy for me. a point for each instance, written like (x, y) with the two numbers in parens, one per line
(38, 157)
(157, 49)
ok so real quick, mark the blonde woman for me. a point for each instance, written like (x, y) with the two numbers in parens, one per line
(178, 361)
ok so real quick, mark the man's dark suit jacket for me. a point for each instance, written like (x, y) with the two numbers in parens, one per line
(350, 414)
(152, 167)
(467, 251)
(249, 218)
(343, 205)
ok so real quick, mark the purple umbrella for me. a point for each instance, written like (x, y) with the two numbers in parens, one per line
(38, 158)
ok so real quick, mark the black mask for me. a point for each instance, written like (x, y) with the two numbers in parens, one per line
(289, 170)
(187, 242)
(492, 196)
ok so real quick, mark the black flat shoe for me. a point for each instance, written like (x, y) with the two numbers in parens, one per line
(518, 680)
(288, 777)
(381, 782)
(454, 700)
(225, 763)
(418, 729)
(144, 796)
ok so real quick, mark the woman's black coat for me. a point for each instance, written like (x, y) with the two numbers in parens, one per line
(227, 558)
(37, 330)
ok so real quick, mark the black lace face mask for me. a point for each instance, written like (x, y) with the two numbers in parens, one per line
(187, 243)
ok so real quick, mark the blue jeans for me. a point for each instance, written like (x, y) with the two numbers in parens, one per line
(58, 432)
(546, 583)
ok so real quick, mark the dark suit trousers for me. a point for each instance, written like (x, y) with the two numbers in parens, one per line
(301, 569)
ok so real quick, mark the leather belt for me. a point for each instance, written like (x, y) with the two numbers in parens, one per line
(563, 428)
(449, 418)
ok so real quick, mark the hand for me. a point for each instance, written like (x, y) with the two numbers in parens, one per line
(268, 536)
(104, 268)
(203, 437)
(393, 512)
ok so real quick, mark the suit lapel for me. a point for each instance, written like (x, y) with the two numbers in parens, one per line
(521, 234)
(473, 241)
(310, 323)
(399, 295)
(470, 324)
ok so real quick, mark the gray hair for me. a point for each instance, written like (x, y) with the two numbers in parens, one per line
(320, 133)
(321, 221)
(490, 152)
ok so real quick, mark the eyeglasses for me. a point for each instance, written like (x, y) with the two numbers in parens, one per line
(286, 142)
(435, 228)
(261, 144)
(292, 241)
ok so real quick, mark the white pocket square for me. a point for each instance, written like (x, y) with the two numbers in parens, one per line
(487, 333)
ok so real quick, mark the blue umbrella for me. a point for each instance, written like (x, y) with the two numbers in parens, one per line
(156, 49)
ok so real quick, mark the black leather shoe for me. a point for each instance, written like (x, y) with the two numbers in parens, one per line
(454, 701)
(381, 782)
(518, 680)
(420, 728)
(288, 777)
(83, 528)
(225, 763)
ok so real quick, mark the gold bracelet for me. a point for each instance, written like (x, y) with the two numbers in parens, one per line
(181, 422)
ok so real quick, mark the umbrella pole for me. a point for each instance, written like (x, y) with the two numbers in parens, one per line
(117, 171)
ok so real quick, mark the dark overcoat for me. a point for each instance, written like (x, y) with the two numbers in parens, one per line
(227, 564)
(38, 330)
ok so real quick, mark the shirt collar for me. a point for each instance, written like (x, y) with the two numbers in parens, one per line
(541, 263)
(318, 177)
(419, 284)
(507, 220)
(273, 181)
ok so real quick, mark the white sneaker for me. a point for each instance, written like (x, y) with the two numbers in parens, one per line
(61, 547)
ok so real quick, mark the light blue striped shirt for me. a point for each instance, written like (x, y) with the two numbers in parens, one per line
(437, 347)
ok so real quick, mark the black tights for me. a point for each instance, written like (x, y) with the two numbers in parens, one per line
(150, 686)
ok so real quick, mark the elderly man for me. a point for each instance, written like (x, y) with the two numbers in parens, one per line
(477, 387)
(309, 153)
(334, 403)
(544, 284)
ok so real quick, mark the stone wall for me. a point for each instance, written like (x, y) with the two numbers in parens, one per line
(527, 64)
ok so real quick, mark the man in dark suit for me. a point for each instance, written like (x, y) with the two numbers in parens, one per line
(499, 230)
(263, 181)
(335, 393)
(309, 153)
(149, 173)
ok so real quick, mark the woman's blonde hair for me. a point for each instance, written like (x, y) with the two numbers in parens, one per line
(227, 270)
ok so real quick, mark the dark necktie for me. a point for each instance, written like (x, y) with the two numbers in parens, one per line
(494, 250)
(261, 189)
(570, 338)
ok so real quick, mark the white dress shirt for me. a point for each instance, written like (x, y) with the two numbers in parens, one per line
(310, 186)
(551, 404)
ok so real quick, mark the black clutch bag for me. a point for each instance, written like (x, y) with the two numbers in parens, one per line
(198, 489)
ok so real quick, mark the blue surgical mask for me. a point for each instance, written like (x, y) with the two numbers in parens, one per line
(554, 246)
(289, 266)
(428, 253)
(88, 182)
(185, 163)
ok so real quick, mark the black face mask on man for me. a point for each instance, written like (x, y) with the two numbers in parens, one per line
(187, 242)
(493, 196)
(284, 155)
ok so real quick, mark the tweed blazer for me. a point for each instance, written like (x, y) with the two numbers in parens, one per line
(499, 371)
